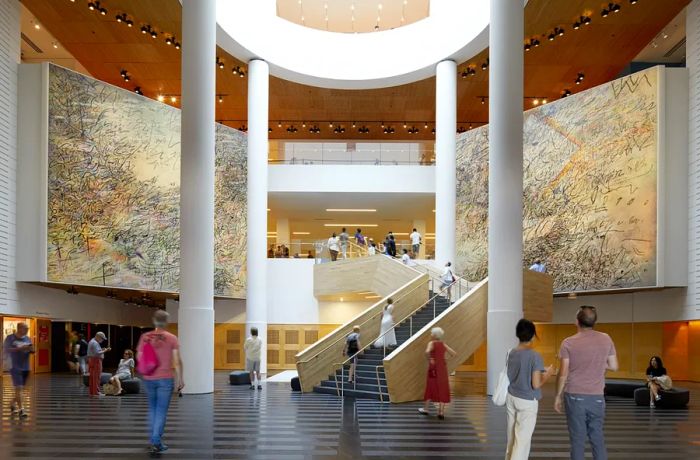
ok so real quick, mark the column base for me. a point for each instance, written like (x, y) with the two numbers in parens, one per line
(196, 335)
(500, 337)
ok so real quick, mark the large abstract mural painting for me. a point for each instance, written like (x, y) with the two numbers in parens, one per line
(590, 188)
(113, 190)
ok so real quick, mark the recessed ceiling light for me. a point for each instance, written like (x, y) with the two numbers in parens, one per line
(349, 210)
(301, 233)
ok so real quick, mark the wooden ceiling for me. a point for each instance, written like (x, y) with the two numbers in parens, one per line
(600, 50)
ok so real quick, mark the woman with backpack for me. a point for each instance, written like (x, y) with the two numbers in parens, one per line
(158, 352)
(352, 346)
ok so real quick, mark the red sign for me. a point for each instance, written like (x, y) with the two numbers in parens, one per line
(43, 334)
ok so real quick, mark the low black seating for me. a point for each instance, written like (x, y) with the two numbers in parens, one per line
(239, 378)
(623, 388)
(104, 378)
(675, 398)
(131, 386)
(296, 385)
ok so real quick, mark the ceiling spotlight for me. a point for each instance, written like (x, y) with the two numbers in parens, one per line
(633, 2)
(566, 93)
(389, 130)
(330, 125)
(535, 101)
(425, 126)
(173, 99)
(382, 125)
(485, 65)
(55, 45)
(363, 130)
(129, 23)
(144, 29)
(353, 124)
(605, 12)
(269, 130)
(413, 130)
(314, 129)
(535, 43)
(404, 125)
(103, 11)
(168, 41)
(279, 124)
(123, 73)
(577, 25)
(559, 31)
(292, 129)
(91, 6)
(614, 7)
(483, 100)
(527, 47)
(544, 101)
(461, 129)
(664, 35)
(127, 78)
(551, 37)
(339, 130)
(243, 128)
(585, 20)
(579, 78)
(154, 34)
(120, 17)
(219, 62)
(161, 98)
(221, 99)
(303, 124)
(432, 131)
(177, 45)
(137, 90)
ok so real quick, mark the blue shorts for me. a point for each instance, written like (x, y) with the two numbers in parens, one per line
(19, 377)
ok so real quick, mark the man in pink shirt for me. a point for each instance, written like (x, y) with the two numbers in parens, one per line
(585, 356)
(161, 382)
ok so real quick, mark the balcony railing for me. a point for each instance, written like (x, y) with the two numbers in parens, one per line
(318, 250)
(334, 153)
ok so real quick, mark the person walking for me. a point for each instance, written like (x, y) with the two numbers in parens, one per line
(416, 240)
(387, 334)
(585, 357)
(96, 354)
(392, 246)
(19, 346)
(81, 347)
(252, 348)
(538, 267)
(333, 247)
(437, 386)
(359, 238)
(448, 279)
(527, 375)
(158, 352)
(350, 350)
(405, 258)
(344, 239)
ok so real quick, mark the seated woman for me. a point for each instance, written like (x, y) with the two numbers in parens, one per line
(125, 371)
(657, 379)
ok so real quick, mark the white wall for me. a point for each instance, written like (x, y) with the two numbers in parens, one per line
(340, 312)
(9, 58)
(351, 178)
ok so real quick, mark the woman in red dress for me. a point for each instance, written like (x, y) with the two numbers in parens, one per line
(437, 387)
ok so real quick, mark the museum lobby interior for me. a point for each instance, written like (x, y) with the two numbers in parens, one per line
(308, 169)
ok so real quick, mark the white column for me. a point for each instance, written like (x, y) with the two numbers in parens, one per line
(256, 290)
(445, 161)
(505, 235)
(283, 235)
(196, 312)
(692, 30)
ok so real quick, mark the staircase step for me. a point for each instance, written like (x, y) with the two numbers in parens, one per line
(349, 386)
(363, 374)
(351, 393)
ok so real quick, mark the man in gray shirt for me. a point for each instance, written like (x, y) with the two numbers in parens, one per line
(344, 239)
(95, 356)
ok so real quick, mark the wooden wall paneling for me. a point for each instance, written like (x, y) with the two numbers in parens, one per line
(622, 335)
(476, 362)
(228, 346)
(538, 297)
(648, 341)
(677, 349)
(316, 362)
(693, 351)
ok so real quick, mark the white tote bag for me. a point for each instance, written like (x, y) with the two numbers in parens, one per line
(501, 391)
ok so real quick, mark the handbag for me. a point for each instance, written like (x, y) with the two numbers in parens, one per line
(148, 360)
(501, 391)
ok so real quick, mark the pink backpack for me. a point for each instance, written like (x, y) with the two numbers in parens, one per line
(148, 360)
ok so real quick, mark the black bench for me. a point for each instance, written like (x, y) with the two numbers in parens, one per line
(675, 398)
(130, 386)
(623, 388)
(239, 378)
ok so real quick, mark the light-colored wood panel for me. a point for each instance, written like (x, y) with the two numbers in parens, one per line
(693, 352)
(317, 362)
(364, 274)
(228, 352)
(538, 301)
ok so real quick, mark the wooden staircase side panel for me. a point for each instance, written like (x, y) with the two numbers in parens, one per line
(538, 296)
(390, 274)
(312, 369)
(345, 276)
(465, 330)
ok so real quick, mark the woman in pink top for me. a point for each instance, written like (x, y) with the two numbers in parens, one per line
(161, 382)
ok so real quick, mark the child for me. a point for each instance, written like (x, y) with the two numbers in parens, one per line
(252, 348)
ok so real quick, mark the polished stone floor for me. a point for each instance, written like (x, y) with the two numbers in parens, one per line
(275, 423)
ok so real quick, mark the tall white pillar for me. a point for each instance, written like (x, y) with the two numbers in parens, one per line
(196, 312)
(256, 291)
(283, 235)
(505, 234)
(692, 30)
(445, 162)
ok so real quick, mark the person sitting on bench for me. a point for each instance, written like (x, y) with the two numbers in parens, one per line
(657, 379)
(125, 371)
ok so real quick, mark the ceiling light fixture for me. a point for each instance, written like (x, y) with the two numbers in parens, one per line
(363, 130)
(389, 130)
(160, 98)
(566, 93)
(483, 100)
(425, 125)
(413, 130)
(292, 129)
(461, 130)
(301, 233)
(177, 45)
(339, 130)
(485, 65)
(221, 99)
(173, 99)
(579, 78)
(315, 129)
(351, 225)
(168, 41)
(138, 91)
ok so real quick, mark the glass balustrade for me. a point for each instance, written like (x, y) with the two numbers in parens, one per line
(359, 153)
(318, 249)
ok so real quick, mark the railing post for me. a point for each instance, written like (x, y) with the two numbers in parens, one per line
(411, 327)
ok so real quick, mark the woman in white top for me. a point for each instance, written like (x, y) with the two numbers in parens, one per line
(447, 279)
(125, 371)
(372, 249)
(333, 247)
(388, 340)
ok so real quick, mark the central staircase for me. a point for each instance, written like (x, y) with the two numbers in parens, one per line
(369, 383)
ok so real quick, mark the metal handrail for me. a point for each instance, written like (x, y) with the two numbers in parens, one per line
(396, 324)
(430, 278)
(379, 384)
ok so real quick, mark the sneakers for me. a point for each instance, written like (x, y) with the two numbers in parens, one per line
(259, 387)
(23, 413)
(658, 397)
(252, 387)
(423, 411)
(652, 405)
(156, 449)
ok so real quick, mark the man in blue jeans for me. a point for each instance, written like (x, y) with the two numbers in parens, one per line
(585, 357)
(19, 346)
(163, 350)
